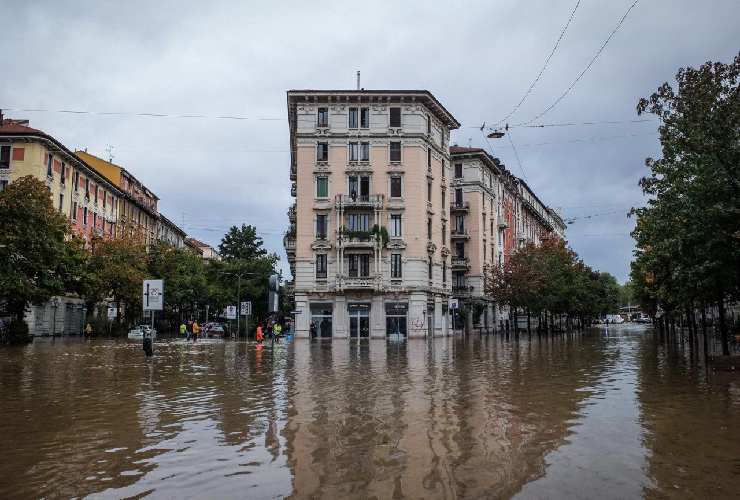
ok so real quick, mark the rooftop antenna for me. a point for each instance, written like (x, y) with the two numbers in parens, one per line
(358, 79)
(109, 150)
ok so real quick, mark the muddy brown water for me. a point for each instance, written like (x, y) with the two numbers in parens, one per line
(595, 415)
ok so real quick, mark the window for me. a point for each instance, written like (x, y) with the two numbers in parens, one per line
(364, 117)
(429, 269)
(321, 265)
(395, 151)
(63, 173)
(95, 220)
(458, 197)
(429, 229)
(354, 151)
(395, 187)
(458, 170)
(444, 198)
(485, 253)
(444, 234)
(395, 117)
(74, 211)
(396, 266)
(323, 117)
(49, 161)
(396, 231)
(444, 272)
(460, 224)
(429, 124)
(353, 118)
(321, 227)
(76, 180)
(429, 159)
(96, 195)
(358, 222)
(322, 187)
(429, 191)
(358, 265)
(322, 151)
(3, 185)
(364, 151)
(105, 199)
(84, 216)
(460, 249)
(87, 188)
(459, 280)
(395, 318)
(61, 201)
(359, 186)
(5, 157)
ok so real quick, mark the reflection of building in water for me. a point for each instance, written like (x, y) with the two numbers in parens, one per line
(450, 418)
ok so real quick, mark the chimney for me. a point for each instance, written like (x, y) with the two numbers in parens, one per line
(358, 80)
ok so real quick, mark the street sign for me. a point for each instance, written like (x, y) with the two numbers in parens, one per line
(112, 312)
(454, 304)
(153, 298)
(230, 312)
(246, 308)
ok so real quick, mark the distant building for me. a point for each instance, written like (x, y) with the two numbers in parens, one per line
(368, 238)
(137, 210)
(206, 251)
(168, 232)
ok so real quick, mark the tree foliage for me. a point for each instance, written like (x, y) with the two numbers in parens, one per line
(688, 235)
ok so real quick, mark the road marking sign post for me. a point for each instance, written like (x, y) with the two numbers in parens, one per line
(153, 298)
(230, 312)
(246, 308)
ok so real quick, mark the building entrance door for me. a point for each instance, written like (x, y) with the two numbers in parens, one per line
(359, 320)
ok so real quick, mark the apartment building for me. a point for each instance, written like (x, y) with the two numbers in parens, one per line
(137, 207)
(493, 214)
(169, 232)
(369, 234)
(87, 198)
(206, 251)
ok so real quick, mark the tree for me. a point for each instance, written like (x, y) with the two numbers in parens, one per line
(241, 243)
(120, 268)
(688, 235)
(36, 261)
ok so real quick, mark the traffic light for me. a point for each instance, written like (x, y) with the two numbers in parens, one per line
(274, 293)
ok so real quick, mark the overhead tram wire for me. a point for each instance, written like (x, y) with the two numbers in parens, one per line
(544, 66)
(588, 66)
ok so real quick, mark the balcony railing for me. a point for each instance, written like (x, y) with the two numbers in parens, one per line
(358, 282)
(460, 262)
(502, 223)
(292, 214)
(359, 201)
(459, 234)
(460, 206)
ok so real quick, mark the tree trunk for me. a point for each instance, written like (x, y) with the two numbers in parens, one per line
(723, 328)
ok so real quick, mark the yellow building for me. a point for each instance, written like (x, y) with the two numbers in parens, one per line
(137, 207)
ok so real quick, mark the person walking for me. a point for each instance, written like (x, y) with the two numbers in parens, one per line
(196, 330)
(148, 344)
(183, 330)
(260, 337)
(277, 330)
(88, 330)
(313, 329)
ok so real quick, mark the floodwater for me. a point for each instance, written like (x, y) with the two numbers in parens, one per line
(595, 415)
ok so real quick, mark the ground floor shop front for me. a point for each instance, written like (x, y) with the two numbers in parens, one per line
(371, 315)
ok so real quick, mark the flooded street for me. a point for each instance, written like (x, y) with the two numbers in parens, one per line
(607, 415)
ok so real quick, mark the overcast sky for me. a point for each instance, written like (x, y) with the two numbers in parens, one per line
(239, 58)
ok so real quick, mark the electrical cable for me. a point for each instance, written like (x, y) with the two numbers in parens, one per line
(544, 66)
(588, 66)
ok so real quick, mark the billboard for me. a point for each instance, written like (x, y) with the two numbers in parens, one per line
(153, 298)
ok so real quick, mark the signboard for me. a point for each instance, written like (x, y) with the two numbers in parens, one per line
(230, 312)
(153, 298)
(454, 304)
(246, 308)
(112, 312)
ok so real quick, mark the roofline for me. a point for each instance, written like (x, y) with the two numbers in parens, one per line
(492, 162)
(123, 169)
(41, 136)
(175, 226)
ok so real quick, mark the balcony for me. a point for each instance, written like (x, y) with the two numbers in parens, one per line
(460, 207)
(502, 223)
(292, 214)
(460, 290)
(293, 190)
(459, 234)
(356, 239)
(374, 201)
(460, 263)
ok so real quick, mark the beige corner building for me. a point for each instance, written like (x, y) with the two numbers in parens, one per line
(369, 235)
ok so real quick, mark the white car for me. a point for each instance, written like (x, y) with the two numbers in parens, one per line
(138, 332)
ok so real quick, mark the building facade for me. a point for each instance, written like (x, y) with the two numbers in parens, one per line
(206, 251)
(137, 207)
(168, 232)
(87, 198)
(368, 241)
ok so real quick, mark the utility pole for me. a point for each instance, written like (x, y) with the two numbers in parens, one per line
(238, 295)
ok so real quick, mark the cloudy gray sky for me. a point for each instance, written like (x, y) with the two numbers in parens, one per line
(238, 58)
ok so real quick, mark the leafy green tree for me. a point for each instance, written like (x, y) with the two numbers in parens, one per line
(241, 243)
(688, 235)
(36, 260)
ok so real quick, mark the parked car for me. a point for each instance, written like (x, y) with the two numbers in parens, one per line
(215, 330)
(138, 332)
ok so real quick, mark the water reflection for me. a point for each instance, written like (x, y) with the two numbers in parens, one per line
(572, 416)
